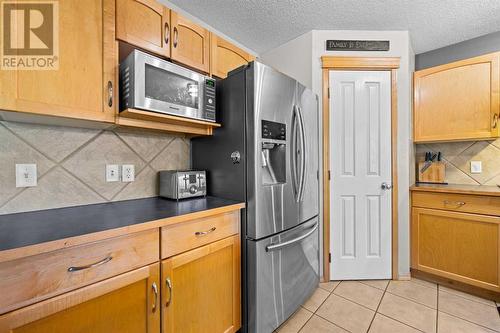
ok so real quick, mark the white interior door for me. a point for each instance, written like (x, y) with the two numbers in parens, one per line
(360, 162)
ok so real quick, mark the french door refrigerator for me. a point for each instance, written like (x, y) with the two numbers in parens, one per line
(266, 154)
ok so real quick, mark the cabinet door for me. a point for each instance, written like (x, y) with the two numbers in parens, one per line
(458, 101)
(87, 55)
(459, 246)
(145, 24)
(201, 289)
(190, 43)
(127, 303)
(224, 56)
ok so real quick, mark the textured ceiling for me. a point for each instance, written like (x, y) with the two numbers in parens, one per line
(264, 24)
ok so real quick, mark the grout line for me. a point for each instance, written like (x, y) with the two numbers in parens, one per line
(411, 300)
(458, 168)
(84, 183)
(467, 320)
(468, 299)
(399, 321)
(378, 306)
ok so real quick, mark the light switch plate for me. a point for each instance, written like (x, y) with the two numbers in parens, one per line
(112, 173)
(476, 167)
(26, 175)
(128, 173)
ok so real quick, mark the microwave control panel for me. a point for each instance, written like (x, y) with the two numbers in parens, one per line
(209, 98)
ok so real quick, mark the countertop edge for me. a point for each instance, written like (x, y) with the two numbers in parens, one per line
(459, 189)
(30, 250)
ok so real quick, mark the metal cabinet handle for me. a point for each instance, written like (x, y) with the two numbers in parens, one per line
(110, 93)
(167, 32)
(155, 291)
(176, 37)
(100, 262)
(302, 153)
(495, 120)
(203, 233)
(169, 286)
(456, 203)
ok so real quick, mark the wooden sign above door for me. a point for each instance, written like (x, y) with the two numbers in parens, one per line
(357, 45)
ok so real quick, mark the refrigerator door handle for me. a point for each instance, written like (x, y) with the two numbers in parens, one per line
(293, 149)
(302, 153)
(274, 247)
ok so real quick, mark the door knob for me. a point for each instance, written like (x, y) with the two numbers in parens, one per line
(386, 186)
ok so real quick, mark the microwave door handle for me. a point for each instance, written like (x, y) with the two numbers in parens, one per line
(278, 246)
(302, 154)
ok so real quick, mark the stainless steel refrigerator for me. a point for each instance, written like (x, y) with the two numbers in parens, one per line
(266, 153)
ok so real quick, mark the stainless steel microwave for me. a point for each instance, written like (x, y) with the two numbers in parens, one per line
(153, 84)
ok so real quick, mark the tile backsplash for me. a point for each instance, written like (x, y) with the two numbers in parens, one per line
(71, 164)
(458, 155)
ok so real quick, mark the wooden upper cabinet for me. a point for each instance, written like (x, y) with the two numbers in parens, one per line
(458, 246)
(126, 303)
(201, 289)
(145, 24)
(458, 101)
(224, 56)
(83, 87)
(190, 43)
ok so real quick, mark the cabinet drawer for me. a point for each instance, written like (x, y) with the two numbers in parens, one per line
(458, 202)
(35, 278)
(189, 235)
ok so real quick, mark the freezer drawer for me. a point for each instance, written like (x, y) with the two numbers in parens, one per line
(283, 272)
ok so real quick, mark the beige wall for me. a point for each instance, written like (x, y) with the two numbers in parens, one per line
(71, 164)
(458, 155)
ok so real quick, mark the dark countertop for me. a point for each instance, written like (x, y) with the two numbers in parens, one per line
(455, 188)
(30, 228)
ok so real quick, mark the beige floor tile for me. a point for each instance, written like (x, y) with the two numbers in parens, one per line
(295, 322)
(468, 296)
(419, 293)
(383, 324)
(475, 312)
(408, 312)
(379, 284)
(329, 286)
(360, 293)
(318, 297)
(424, 283)
(450, 324)
(319, 325)
(346, 314)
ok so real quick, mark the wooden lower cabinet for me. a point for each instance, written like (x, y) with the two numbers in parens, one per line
(127, 303)
(459, 246)
(201, 289)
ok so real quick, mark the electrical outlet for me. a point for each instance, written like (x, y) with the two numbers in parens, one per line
(128, 173)
(476, 167)
(26, 175)
(112, 173)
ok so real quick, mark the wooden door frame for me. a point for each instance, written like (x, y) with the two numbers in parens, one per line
(330, 63)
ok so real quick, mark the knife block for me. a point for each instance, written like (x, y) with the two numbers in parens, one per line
(435, 173)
